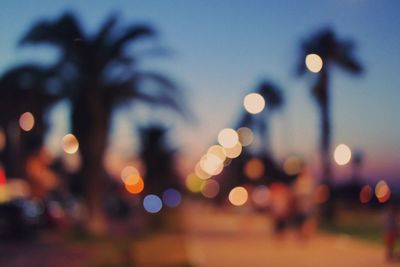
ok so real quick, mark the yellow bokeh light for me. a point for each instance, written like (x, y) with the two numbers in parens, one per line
(292, 165)
(194, 184)
(210, 189)
(246, 136)
(314, 63)
(228, 138)
(382, 191)
(254, 103)
(254, 169)
(342, 154)
(70, 144)
(238, 196)
(26, 121)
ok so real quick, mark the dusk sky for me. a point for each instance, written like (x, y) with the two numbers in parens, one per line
(222, 49)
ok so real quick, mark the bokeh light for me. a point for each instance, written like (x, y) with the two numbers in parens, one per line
(200, 173)
(210, 189)
(366, 194)
(233, 152)
(217, 151)
(238, 196)
(246, 136)
(152, 203)
(26, 121)
(261, 196)
(228, 138)
(292, 165)
(70, 144)
(134, 185)
(314, 63)
(322, 194)
(193, 183)
(254, 169)
(342, 154)
(132, 179)
(254, 103)
(172, 198)
(211, 164)
(382, 191)
(128, 171)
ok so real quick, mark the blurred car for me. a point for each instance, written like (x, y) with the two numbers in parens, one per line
(19, 218)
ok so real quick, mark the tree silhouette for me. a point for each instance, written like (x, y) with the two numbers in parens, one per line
(26, 88)
(159, 160)
(233, 174)
(101, 75)
(332, 51)
(259, 122)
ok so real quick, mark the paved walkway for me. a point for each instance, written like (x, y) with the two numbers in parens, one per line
(228, 238)
(210, 238)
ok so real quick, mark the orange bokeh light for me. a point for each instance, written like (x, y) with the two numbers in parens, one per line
(135, 188)
(366, 194)
(238, 196)
(382, 191)
(254, 169)
(70, 144)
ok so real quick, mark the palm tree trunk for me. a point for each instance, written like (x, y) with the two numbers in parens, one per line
(265, 133)
(323, 99)
(12, 158)
(90, 126)
(326, 145)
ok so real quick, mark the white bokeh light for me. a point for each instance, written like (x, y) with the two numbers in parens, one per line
(254, 103)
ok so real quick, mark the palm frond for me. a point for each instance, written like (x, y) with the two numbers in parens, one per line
(63, 32)
(131, 34)
(105, 30)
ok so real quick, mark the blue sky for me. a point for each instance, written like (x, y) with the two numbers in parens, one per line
(222, 49)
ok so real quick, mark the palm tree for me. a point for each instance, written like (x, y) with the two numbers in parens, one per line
(332, 51)
(259, 122)
(25, 88)
(159, 160)
(101, 76)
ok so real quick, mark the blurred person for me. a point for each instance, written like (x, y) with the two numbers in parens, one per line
(391, 230)
(45, 188)
(281, 206)
(303, 194)
(41, 178)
